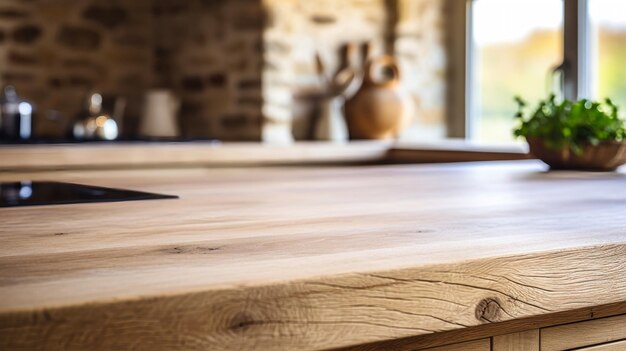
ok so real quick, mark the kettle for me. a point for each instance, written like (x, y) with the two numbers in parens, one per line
(94, 124)
(380, 109)
(16, 116)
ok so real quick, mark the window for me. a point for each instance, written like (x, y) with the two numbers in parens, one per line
(608, 41)
(515, 44)
(516, 47)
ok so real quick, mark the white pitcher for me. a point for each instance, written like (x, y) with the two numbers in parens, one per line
(159, 115)
(331, 125)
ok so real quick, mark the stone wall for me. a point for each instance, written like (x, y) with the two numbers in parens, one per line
(412, 30)
(236, 64)
(210, 53)
(55, 52)
(296, 30)
(421, 47)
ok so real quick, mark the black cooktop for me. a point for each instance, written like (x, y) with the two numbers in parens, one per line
(35, 193)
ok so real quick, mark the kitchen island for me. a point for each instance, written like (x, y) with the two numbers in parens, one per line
(473, 256)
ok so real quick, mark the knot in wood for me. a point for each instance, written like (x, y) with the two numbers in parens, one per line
(190, 250)
(242, 321)
(488, 309)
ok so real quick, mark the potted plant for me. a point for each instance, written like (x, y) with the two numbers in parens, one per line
(584, 134)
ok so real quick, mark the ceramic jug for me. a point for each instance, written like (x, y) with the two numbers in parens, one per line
(380, 109)
(159, 115)
(331, 125)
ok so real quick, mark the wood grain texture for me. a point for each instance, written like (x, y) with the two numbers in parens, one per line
(477, 345)
(493, 329)
(521, 341)
(206, 154)
(189, 154)
(614, 346)
(303, 258)
(583, 334)
(455, 151)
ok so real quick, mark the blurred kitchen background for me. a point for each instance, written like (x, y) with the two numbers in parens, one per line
(257, 70)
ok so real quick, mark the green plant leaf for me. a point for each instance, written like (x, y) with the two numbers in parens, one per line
(570, 124)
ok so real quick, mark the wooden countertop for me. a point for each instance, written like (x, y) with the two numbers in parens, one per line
(308, 258)
(215, 154)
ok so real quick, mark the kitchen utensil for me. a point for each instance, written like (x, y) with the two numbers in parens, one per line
(380, 109)
(320, 71)
(16, 116)
(330, 124)
(365, 52)
(94, 123)
(347, 58)
(159, 115)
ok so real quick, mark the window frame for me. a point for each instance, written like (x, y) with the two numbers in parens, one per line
(575, 69)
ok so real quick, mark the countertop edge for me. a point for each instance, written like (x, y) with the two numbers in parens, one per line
(215, 154)
(343, 310)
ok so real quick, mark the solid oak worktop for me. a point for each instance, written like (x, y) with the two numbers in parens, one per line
(308, 258)
(135, 155)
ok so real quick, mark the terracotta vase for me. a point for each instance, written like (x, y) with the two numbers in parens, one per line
(380, 109)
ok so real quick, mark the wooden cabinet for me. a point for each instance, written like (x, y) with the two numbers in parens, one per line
(584, 334)
(522, 341)
(604, 334)
(614, 346)
(476, 345)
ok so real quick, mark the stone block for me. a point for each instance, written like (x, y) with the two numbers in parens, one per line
(131, 40)
(247, 21)
(9, 13)
(80, 82)
(250, 101)
(107, 15)
(249, 84)
(15, 78)
(277, 47)
(216, 80)
(27, 33)
(323, 19)
(191, 108)
(79, 38)
(234, 121)
(22, 59)
(168, 8)
(55, 82)
(192, 83)
(84, 64)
